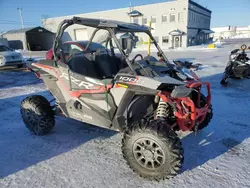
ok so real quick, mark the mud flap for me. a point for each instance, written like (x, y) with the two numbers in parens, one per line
(196, 128)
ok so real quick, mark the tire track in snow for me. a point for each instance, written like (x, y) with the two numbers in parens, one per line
(21, 90)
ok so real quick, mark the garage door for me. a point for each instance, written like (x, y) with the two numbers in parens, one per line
(81, 34)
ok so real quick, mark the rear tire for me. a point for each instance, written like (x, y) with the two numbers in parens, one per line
(37, 114)
(207, 119)
(152, 150)
(209, 114)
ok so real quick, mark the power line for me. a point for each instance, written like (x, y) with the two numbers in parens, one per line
(13, 21)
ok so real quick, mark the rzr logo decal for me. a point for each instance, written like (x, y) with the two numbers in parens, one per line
(80, 83)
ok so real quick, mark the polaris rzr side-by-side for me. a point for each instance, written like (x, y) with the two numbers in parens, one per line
(148, 100)
(238, 66)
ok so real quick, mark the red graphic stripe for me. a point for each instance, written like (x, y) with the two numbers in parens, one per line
(78, 93)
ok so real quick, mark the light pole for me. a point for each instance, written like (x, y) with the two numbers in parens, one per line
(21, 16)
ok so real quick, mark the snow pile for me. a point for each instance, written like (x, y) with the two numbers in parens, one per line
(203, 47)
(219, 43)
(243, 35)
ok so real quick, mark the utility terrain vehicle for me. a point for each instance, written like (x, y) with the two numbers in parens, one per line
(238, 66)
(148, 100)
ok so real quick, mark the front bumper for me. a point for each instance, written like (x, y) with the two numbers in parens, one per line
(188, 121)
(12, 63)
(189, 113)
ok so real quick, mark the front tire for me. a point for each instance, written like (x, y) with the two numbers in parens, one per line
(153, 150)
(37, 114)
(207, 119)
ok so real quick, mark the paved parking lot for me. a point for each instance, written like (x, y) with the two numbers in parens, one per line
(80, 155)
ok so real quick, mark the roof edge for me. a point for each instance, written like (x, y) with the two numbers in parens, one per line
(198, 5)
(115, 9)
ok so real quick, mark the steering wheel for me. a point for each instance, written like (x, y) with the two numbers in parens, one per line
(138, 55)
(243, 47)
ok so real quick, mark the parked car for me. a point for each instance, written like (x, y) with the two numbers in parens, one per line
(9, 57)
(75, 46)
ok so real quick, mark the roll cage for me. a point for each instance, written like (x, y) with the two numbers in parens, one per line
(113, 27)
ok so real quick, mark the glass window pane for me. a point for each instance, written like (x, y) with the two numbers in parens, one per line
(164, 18)
(153, 19)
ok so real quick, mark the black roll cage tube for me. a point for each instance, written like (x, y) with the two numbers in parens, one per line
(112, 32)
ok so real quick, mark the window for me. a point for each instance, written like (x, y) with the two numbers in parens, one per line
(172, 18)
(136, 20)
(153, 19)
(181, 17)
(144, 21)
(164, 18)
(165, 39)
(153, 23)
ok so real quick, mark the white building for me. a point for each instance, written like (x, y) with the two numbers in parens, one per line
(176, 23)
(231, 32)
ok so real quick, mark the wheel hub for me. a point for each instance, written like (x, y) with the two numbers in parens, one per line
(148, 153)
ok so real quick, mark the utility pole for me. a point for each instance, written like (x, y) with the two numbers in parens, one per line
(21, 16)
(130, 10)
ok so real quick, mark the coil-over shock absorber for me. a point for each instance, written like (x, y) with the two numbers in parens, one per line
(162, 109)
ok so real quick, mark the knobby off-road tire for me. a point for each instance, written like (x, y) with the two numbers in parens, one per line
(209, 115)
(152, 150)
(207, 119)
(37, 114)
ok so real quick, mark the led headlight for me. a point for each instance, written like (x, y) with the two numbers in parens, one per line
(2, 60)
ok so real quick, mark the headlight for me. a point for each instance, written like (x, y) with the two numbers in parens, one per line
(2, 60)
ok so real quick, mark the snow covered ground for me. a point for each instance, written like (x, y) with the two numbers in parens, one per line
(79, 155)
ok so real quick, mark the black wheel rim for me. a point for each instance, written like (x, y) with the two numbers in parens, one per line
(148, 153)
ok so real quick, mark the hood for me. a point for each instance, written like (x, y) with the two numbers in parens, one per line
(149, 82)
(169, 80)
